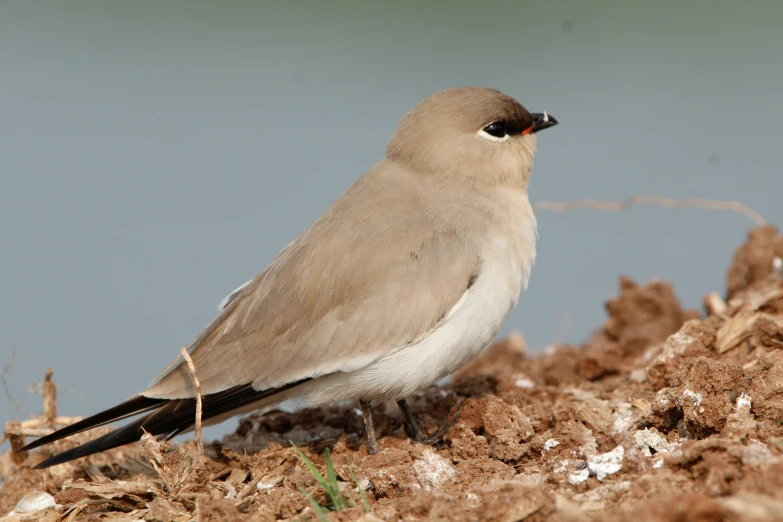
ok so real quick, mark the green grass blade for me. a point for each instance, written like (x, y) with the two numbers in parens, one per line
(320, 511)
(317, 474)
(350, 499)
(334, 488)
(361, 491)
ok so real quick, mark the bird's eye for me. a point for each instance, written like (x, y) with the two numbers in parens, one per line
(496, 129)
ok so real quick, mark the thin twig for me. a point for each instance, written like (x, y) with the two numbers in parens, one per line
(38, 389)
(15, 429)
(74, 391)
(49, 398)
(153, 451)
(197, 385)
(661, 201)
(40, 423)
(35, 427)
(17, 442)
(5, 385)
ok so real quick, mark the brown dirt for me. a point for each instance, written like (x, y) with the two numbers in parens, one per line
(663, 415)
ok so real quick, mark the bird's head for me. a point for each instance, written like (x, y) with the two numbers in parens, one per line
(475, 133)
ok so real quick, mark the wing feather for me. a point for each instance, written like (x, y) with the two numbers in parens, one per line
(337, 298)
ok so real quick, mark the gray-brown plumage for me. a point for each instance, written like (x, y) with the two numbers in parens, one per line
(403, 280)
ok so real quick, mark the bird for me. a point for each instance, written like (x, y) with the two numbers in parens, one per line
(407, 277)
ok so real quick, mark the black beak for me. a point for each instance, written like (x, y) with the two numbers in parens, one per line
(543, 121)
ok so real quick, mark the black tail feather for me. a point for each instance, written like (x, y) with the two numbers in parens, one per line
(132, 406)
(170, 418)
(125, 435)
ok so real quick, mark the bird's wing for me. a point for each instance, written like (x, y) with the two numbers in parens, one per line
(230, 297)
(336, 299)
(369, 277)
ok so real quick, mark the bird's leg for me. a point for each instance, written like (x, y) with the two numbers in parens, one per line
(411, 425)
(372, 443)
(414, 432)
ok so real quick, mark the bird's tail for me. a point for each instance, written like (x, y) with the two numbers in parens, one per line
(165, 419)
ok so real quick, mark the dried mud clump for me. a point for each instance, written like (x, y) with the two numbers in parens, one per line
(756, 260)
(663, 415)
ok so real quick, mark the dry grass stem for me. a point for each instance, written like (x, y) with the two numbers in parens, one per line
(37, 427)
(153, 450)
(49, 398)
(13, 435)
(197, 385)
(661, 201)
(5, 384)
(715, 305)
(16, 431)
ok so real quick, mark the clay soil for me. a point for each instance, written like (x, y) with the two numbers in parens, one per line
(665, 414)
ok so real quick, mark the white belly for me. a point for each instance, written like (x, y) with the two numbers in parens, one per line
(464, 334)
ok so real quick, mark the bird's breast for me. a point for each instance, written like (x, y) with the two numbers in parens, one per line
(465, 333)
(507, 250)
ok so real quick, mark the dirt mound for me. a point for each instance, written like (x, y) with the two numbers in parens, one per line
(662, 415)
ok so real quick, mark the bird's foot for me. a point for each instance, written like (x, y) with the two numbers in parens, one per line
(413, 430)
(372, 442)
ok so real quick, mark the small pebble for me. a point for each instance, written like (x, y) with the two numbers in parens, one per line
(35, 501)
(606, 463)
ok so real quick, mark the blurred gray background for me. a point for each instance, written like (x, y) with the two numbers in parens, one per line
(155, 155)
